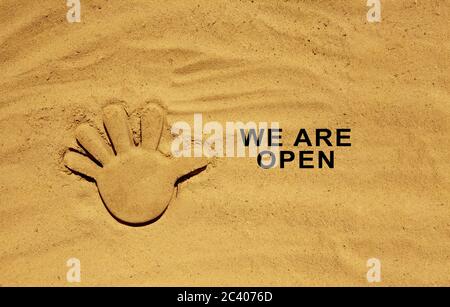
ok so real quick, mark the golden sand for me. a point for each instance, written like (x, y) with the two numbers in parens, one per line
(304, 64)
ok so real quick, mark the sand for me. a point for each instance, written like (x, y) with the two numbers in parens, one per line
(304, 64)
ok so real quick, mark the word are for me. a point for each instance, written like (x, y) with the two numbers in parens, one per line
(74, 272)
(374, 13)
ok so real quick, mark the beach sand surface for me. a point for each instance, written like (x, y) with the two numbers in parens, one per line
(304, 64)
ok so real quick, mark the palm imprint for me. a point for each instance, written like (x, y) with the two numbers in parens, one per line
(136, 183)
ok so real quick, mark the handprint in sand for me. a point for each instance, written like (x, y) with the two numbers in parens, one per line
(136, 183)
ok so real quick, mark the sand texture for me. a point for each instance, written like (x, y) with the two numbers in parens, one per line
(304, 64)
